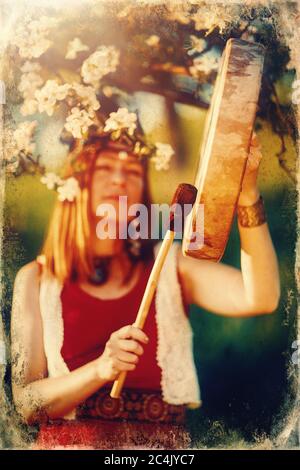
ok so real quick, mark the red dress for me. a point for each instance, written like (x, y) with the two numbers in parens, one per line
(88, 324)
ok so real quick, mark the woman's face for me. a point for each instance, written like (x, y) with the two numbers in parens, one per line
(116, 174)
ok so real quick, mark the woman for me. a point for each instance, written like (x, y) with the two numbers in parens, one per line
(73, 310)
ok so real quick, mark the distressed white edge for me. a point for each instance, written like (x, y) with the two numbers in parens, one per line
(291, 27)
(295, 413)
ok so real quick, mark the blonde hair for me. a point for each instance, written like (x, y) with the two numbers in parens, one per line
(66, 251)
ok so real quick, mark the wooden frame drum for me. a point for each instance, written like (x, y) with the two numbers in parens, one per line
(225, 149)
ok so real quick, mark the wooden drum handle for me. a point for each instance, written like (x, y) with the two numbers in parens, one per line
(146, 301)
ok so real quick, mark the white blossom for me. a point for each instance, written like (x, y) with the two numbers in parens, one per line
(17, 141)
(28, 85)
(74, 47)
(122, 119)
(51, 180)
(152, 40)
(103, 61)
(77, 122)
(29, 107)
(49, 95)
(31, 36)
(12, 166)
(44, 24)
(34, 49)
(198, 45)
(108, 91)
(23, 135)
(68, 190)
(162, 156)
(124, 12)
(87, 97)
(180, 13)
(29, 66)
(204, 64)
(208, 18)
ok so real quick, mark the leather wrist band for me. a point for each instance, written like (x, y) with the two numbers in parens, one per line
(252, 216)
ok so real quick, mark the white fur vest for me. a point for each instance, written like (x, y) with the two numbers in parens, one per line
(174, 355)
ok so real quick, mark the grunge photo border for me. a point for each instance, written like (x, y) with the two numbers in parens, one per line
(13, 434)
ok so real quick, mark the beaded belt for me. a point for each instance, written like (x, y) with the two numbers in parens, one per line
(133, 405)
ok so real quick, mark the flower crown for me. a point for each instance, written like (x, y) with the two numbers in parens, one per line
(120, 127)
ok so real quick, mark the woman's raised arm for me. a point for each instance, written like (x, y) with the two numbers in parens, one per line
(225, 290)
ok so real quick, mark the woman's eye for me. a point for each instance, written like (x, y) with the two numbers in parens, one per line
(103, 167)
(134, 172)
